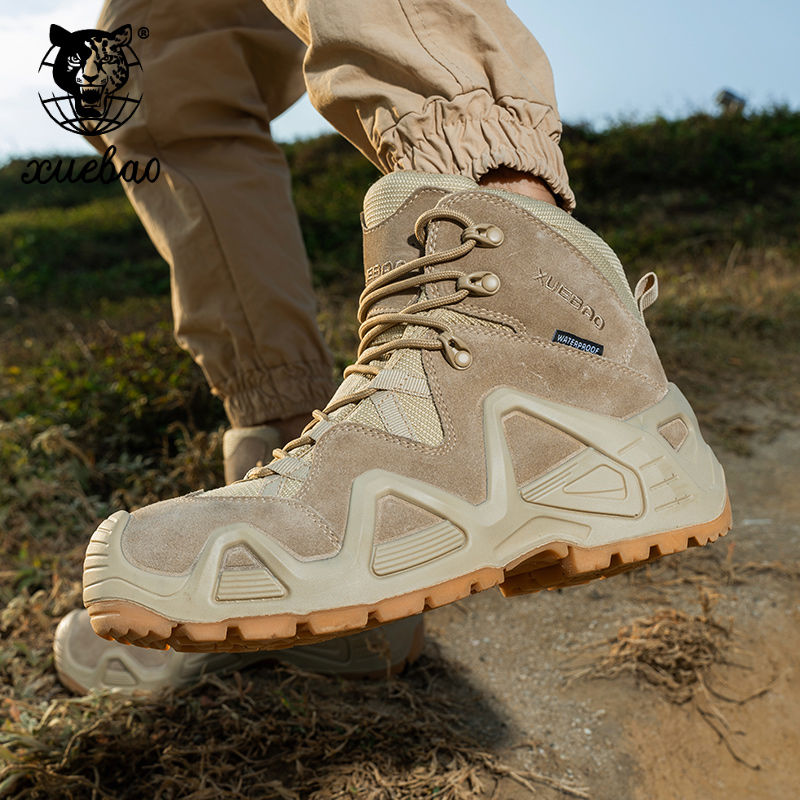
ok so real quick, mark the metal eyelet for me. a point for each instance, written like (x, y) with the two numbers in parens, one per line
(455, 351)
(483, 234)
(482, 284)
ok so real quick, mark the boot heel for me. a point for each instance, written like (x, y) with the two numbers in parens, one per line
(562, 564)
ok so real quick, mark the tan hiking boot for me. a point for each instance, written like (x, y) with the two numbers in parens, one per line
(507, 423)
(86, 662)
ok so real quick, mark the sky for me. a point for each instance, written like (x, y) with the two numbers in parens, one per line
(611, 60)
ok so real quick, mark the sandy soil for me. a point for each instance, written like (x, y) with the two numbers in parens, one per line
(621, 738)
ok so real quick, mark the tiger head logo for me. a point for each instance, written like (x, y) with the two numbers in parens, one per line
(91, 65)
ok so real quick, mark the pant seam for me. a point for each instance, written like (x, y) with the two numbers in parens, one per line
(448, 67)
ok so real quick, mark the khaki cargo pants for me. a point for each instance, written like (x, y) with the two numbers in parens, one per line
(456, 86)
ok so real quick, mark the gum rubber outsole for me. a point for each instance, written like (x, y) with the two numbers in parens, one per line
(551, 566)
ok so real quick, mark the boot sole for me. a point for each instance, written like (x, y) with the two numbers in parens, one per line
(552, 566)
(630, 496)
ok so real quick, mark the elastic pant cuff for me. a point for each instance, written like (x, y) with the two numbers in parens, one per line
(474, 133)
(277, 393)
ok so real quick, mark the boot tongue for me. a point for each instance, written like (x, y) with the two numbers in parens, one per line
(391, 208)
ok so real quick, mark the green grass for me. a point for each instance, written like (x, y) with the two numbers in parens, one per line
(60, 256)
(669, 189)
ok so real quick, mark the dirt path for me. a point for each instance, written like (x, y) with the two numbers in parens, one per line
(622, 739)
(504, 670)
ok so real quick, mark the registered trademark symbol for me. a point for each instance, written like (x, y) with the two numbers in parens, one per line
(143, 32)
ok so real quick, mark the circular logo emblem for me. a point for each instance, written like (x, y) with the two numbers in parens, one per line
(91, 67)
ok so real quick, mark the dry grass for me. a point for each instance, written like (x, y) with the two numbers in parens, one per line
(724, 328)
(269, 732)
(274, 733)
(670, 650)
(676, 653)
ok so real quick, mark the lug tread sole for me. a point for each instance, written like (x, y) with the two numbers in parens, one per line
(551, 566)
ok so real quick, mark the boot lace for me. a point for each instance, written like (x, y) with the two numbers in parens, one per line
(373, 327)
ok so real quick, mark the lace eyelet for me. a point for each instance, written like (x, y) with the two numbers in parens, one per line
(482, 284)
(483, 234)
(455, 351)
